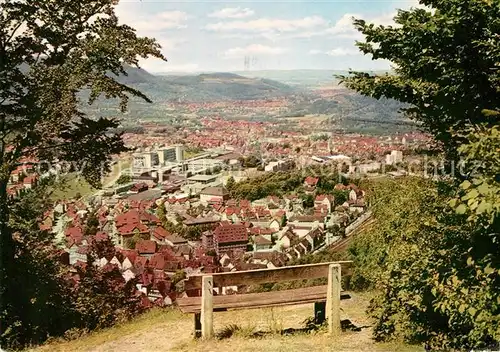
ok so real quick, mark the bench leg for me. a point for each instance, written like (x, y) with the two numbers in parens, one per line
(197, 325)
(207, 286)
(319, 312)
(333, 299)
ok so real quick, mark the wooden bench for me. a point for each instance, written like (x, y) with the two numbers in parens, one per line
(326, 298)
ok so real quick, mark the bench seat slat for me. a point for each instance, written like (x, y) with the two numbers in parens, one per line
(258, 300)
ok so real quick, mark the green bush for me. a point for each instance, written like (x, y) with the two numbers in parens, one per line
(436, 272)
(45, 300)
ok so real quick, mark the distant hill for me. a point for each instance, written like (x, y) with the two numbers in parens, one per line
(203, 87)
(353, 112)
(137, 76)
(304, 78)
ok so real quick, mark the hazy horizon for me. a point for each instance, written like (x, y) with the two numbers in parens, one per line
(236, 36)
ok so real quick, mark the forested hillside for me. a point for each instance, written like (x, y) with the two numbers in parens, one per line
(352, 112)
(204, 87)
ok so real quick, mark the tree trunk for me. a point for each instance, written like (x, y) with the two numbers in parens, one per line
(6, 249)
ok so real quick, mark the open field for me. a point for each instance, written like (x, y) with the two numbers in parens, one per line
(70, 187)
(259, 330)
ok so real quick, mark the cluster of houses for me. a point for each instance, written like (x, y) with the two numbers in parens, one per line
(23, 178)
(237, 234)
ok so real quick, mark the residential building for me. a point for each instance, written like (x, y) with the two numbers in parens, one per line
(166, 154)
(280, 165)
(203, 179)
(214, 194)
(171, 154)
(310, 184)
(262, 243)
(207, 240)
(230, 237)
(395, 157)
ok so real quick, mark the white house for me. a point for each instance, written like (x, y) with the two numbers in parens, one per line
(127, 264)
(128, 275)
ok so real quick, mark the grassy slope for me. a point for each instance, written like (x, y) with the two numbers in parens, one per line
(70, 186)
(170, 330)
(122, 166)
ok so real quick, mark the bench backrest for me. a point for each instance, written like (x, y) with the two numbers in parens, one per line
(262, 276)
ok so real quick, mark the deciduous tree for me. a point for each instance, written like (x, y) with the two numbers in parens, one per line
(446, 65)
(49, 52)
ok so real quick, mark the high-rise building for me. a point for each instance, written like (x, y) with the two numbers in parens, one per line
(171, 154)
(395, 157)
(145, 160)
(179, 153)
(166, 154)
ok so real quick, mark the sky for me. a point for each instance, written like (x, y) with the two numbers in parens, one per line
(213, 35)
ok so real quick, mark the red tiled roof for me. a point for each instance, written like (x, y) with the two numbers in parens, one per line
(145, 246)
(130, 217)
(322, 197)
(130, 228)
(232, 210)
(160, 233)
(340, 187)
(176, 239)
(139, 187)
(245, 203)
(261, 231)
(274, 199)
(158, 261)
(76, 233)
(228, 233)
(280, 213)
(141, 262)
(262, 240)
(101, 236)
(44, 227)
(82, 250)
(311, 181)
(130, 254)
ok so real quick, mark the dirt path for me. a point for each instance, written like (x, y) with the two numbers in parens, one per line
(172, 331)
(160, 337)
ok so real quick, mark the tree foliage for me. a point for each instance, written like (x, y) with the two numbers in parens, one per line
(124, 179)
(230, 183)
(481, 191)
(340, 196)
(433, 253)
(436, 271)
(48, 302)
(102, 297)
(445, 63)
(49, 52)
(284, 182)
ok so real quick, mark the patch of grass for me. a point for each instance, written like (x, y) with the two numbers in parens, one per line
(188, 154)
(275, 321)
(236, 330)
(71, 186)
(154, 319)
